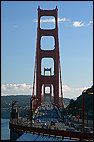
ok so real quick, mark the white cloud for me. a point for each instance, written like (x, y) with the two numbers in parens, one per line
(48, 20)
(3, 87)
(75, 23)
(63, 19)
(2, 94)
(24, 89)
(52, 20)
(69, 92)
(66, 88)
(16, 89)
(80, 89)
(90, 22)
(81, 24)
(78, 24)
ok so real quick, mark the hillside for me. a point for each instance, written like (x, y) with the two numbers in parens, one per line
(24, 100)
(88, 102)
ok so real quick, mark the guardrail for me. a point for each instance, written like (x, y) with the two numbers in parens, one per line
(68, 134)
(59, 113)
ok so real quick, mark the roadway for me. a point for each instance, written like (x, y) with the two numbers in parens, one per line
(47, 116)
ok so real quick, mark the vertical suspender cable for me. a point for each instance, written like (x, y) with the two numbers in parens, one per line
(31, 99)
(61, 81)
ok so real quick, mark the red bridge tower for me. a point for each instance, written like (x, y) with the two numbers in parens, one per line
(54, 54)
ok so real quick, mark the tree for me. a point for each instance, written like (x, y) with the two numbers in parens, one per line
(71, 101)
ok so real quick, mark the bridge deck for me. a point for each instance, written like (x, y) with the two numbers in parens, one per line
(45, 122)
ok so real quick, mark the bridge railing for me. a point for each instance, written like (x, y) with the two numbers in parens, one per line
(62, 133)
(59, 113)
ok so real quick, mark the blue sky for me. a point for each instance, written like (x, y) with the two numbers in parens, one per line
(18, 44)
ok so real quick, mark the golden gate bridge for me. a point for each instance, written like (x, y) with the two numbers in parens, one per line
(42, 81)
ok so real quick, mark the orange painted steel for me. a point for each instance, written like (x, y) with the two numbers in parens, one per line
(47, 85)
(54, 54)
(41, 79)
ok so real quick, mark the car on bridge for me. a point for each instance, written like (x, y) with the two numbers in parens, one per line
(78, 127)
(87, 129)
(43, 124)
(71, 129)
(38, 120)
(52, 123)
(66, 123)
(71, 125)
(60, 120)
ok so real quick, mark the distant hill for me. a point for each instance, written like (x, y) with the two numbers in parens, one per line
(88, 102)
(66, 101)
(6, 103)
(24, 100)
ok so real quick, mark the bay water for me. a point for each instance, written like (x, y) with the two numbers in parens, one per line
(5, 131)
